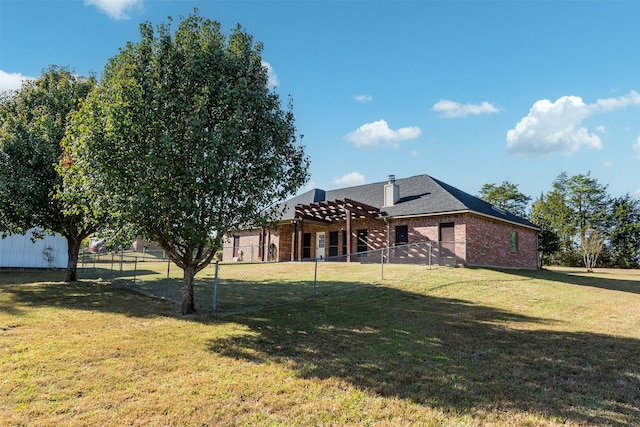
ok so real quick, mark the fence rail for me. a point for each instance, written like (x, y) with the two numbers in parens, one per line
(237, 286)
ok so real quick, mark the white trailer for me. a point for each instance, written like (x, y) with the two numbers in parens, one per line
(20, 251)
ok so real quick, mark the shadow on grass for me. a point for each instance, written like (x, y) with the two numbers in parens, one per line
(30, 288)
(450, 354)
(442, 352)
(108, 273)
(581, 279)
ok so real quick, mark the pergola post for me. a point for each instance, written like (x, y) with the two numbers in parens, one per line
(300, 238)
(293, 240)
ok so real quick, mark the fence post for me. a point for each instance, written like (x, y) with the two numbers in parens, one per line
(430, 246)
(121, 260)
(113, 254)
(315, 277)
(166, 288)
(215, 287)
(135, 269)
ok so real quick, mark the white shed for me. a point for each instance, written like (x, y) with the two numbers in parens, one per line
(18, 250)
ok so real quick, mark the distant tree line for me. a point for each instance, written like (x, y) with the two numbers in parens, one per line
(581, 223)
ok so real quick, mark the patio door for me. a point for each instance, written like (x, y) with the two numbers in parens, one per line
(320, 245)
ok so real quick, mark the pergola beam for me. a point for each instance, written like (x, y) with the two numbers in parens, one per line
(328, 212)
(336, 210)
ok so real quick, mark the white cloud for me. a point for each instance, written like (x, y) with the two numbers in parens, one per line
(374, 134)
(11, 81)
(601, 129)
(271, 74)
(552, 127)
(117, 9)
(608, 104)
(452, 109)
(636, 148)
(363, 98)
(556, 127)
(350, 179)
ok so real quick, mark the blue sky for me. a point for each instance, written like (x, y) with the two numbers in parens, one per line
(469, 92)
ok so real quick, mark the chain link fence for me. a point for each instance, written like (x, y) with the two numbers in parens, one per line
(240, 286)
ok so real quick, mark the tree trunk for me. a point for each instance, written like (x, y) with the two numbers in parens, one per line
(188, 305)
(73, 247)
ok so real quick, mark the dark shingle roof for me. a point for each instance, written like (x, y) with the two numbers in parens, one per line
(419, 195)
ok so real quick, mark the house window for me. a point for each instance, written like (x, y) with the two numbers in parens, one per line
(402, 234)
(344, 242)
(306, 245)
(362, 241)
(333, 243)
(447, 239)
(513, 238)
(236, 246)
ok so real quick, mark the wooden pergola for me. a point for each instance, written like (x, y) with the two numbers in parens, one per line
(328, 212)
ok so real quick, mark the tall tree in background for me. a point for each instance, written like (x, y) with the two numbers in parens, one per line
(187, 141)
(553, 210)
(575, 207)
(548, 239)
(506, 196)
(33, 121)
(624, 232)
(588, 202)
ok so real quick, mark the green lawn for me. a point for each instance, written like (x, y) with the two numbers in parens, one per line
(441, 347)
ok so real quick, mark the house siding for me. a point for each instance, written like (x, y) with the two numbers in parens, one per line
(248, 243)
(17, 250)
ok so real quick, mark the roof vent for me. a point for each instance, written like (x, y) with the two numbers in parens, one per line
(391, 192)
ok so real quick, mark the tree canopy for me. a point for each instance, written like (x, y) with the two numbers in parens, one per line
(33, 121)
(506, 196)
(187, 141)
(624, 232)
(587, 221)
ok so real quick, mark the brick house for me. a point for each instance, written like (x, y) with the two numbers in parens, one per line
(461, 228)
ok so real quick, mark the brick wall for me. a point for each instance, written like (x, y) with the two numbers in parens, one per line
(479, 241)
(489, 244)
(427, 228)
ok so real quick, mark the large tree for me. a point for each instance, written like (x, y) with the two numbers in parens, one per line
(548, 239)
(624, 232)
(573, 209)
(33, 121)
(187, 140)
(506, 196)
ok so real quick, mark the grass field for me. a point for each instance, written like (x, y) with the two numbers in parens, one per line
(441, 347)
